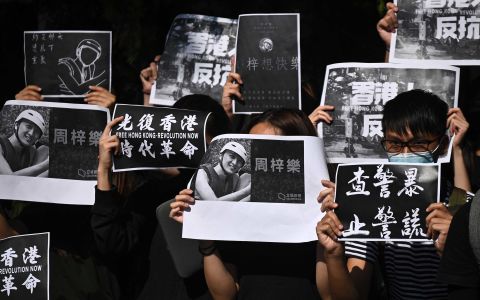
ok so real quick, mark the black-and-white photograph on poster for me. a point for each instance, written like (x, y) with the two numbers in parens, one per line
(360, 90)
(268, 60)
(65, 63)
(245, 170)
(196, 59)
(378, 202)
(24, 267)
(437, 31)
(248, 179)
(159, 137)
(50, 151)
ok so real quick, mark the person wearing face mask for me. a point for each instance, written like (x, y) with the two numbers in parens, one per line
(20, 156)
(222, 181)
(77, 74)
(414, 125)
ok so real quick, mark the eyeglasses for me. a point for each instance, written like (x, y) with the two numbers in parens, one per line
(395, 146)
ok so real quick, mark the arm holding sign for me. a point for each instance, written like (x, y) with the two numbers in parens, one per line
(388, 25)
(231, 91)
(148, 77)
(114, 228)
(221, 278)
(345, 278)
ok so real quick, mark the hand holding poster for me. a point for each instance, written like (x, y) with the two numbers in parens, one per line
(24, 267)
(159, 137)
(49, 151)
(196, 59)
(437, 31)
(257, 188)
(359, 91)
(378, 202)
(268, 59)
(66, 63)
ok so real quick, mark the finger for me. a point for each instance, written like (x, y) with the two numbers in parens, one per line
(96, 88)
(328, 206)
(110, 124)
(157, 58)
(324, 116)
(154, 70)
(234, 76)
(29, 95)
(186, 192)
(328, 184)
(326, 231)
(33, 87)
(335, 219)
(175, 212)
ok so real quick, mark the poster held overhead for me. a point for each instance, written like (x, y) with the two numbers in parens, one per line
(268, 60)
(65, 63)
(359, 91)
(196, 59)
(436, 31)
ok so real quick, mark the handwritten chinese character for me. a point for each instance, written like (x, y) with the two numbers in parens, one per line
(411, 225)
(355, 228)
(31, 283)
(145, 122)
(188, 149)
(145, 147)
(385, 218)
(167, 121)
(167, 148)
(8, 256)
(124, 124)
(30, 254)
(189, 122)
(8, 284)
(384, 179)
(410, 183)
(126, 148)
(358, 185)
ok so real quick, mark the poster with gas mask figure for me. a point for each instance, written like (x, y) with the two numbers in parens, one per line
(65, 63)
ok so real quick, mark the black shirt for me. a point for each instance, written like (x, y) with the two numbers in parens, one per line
(459, 266)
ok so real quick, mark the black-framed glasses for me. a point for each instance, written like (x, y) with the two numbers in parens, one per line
(395, 146)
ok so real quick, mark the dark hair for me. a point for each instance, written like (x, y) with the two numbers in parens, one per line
(419, 111)
(288, 121)
(218, 122)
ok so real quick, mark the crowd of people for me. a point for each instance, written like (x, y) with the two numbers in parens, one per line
(116, 249)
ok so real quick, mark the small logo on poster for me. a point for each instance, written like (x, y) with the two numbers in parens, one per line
(265, 45)
(289, 197)
(87, 173)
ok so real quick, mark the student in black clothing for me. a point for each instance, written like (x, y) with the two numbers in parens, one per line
(124, 228)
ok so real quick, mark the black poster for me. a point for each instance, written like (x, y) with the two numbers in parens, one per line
(24, 267)
(66, 63)
(158, 137)
(385, 201)
(196, 59)
(268, 59)
(266, 175)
